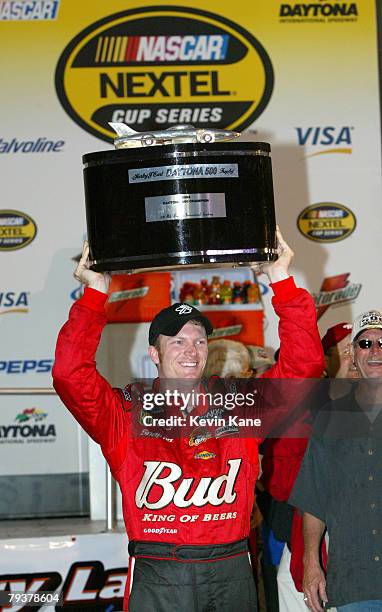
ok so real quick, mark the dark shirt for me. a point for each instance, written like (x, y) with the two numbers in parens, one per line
(340, 482)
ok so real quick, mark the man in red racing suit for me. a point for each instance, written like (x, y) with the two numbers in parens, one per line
(186, 501)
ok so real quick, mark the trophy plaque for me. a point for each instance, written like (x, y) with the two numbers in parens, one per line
(179, 197)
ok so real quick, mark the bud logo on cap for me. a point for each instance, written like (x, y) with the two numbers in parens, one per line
(183, 309)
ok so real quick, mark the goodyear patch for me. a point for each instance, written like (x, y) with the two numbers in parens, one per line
(159, 66)
(17, 230)
(326, 222)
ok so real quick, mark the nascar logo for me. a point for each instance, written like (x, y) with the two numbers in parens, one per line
(190, 48)
(326, 214)
(28, 10)
(157, 66)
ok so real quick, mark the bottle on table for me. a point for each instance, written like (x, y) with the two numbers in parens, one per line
(226, 292)
(187, 293)
(244, 291)
(200, 296)
(237, 297)
(205, 288)
(215, 291)
(253, 293)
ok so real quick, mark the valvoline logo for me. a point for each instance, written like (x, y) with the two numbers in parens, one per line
(159, 66)
(34, 414)
(321, 140)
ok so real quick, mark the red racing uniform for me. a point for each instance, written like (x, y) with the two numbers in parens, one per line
(173, 490)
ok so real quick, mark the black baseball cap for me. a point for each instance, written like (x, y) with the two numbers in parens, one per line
(170, 320)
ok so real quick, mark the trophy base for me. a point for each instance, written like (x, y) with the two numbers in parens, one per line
(190, 259)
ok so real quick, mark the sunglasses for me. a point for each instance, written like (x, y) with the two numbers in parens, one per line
(365, 343)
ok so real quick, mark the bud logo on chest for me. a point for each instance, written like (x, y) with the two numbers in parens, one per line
(163, 474)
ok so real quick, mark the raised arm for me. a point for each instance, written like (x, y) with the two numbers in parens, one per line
(301, 354)
(277, 270)
(89, 397)
(89, 278)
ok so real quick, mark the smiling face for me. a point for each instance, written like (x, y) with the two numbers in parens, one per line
(368, 361)
(183, 355)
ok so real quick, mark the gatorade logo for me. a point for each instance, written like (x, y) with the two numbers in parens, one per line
(156, 67)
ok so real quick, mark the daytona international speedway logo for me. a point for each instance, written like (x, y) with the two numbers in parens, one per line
(156, 67)
(31, 427)
(324, 11)
(31, 414)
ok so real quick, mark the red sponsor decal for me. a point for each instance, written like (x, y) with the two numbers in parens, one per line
(335, 290)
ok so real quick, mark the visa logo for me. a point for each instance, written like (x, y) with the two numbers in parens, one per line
(11, 301)
(327, 135)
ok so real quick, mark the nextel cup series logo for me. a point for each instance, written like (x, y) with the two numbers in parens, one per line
(155, 67)
(17, 230)
(326, 222)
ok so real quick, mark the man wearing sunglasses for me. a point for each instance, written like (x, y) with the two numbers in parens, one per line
(339, 486)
